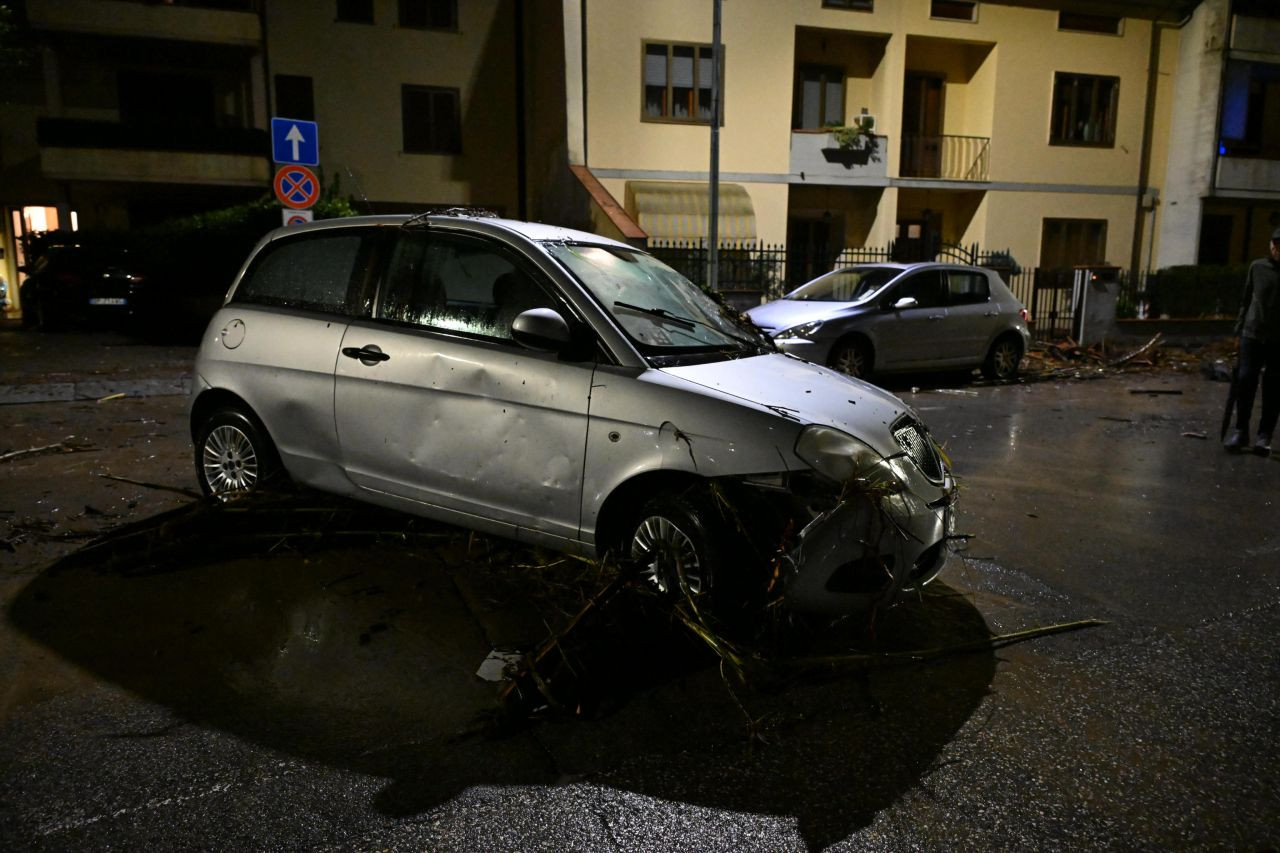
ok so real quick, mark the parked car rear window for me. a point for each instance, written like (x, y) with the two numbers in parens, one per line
(968, 288)
(313, 273)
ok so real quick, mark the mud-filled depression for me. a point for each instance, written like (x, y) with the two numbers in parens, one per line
(353, 636)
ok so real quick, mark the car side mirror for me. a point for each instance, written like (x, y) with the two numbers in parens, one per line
(541, 329)
(904, 303)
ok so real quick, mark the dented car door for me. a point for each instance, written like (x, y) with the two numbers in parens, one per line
(435, 403)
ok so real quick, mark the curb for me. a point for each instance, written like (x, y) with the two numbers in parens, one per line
(92, 389)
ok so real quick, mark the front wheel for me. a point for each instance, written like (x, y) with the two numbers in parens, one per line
(852, 357)
(672, 542)
(1003, 359)
(232, 455)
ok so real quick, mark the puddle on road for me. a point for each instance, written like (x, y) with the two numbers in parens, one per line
(352, 636)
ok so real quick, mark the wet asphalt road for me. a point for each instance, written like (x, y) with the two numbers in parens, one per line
(211, 682)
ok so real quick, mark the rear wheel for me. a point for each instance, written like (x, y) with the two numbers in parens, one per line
(1003, 359)
(852, 356)
(232, 455)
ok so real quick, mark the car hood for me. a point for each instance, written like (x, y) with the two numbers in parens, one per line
(785, 313)
(805, 393)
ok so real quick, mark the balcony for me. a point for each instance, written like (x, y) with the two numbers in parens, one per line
(947, 158)
(72, 149)
(229, 22)
(1255, 177)
(815, 156)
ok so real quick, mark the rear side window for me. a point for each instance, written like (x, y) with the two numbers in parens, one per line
(313, 273)
(968, 288)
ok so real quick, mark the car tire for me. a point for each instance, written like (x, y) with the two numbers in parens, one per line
(233, 455)
(852, 357)
(1003, 358)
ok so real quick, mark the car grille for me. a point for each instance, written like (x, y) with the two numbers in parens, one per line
(915, 441)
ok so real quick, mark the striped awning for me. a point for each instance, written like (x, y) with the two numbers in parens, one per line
(678, 210)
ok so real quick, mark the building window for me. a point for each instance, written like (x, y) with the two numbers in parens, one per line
(819, 99)
(429, 14)
(1084, 110)
(859, 5)
(355, 11)
(1073, 242)
(294, 98)
(431, 120)
(954, 10)
(1080, 22)
(1250, 105)
(1256, 8)
(677, 82)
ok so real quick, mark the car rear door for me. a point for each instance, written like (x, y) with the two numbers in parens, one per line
(972, 314)
(435, 403)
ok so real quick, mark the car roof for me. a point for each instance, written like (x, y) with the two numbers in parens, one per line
(903, 267)
(536, 231)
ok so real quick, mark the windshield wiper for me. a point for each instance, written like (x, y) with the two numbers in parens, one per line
(661, 314)
(690, 323)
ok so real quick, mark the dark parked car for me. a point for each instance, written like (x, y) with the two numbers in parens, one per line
(881, 318)
(80, 285)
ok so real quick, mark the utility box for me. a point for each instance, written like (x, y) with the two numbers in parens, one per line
(1094, 302)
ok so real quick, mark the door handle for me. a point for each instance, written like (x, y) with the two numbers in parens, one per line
(937, 316)
(368, 355)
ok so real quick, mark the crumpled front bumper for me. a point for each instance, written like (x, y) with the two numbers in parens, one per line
(869, 549)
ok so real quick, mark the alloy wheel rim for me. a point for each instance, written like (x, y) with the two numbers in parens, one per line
(666, 553)
(1005, 359)
(849, 361)
(230, 463)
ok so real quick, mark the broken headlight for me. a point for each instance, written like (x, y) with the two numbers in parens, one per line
(843, 458)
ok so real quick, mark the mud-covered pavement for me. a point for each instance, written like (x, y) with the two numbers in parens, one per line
(301, 674)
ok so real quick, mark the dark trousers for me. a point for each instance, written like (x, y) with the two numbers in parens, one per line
(1258, 357)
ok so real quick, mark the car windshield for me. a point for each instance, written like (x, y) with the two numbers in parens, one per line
(846, 285)
(662, 312)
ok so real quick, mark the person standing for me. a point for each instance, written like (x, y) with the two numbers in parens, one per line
(1258, 327)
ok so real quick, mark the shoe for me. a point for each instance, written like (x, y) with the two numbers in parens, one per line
(1237, 441)
(1262, 445)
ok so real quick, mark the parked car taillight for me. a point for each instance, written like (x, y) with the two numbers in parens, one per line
(1026, 315)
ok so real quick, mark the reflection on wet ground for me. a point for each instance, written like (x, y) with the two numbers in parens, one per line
(351, 636)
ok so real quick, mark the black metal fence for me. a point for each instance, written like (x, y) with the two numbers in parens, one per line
(750, 273)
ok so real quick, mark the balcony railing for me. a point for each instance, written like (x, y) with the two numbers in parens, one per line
(177, 136)
(949, 158)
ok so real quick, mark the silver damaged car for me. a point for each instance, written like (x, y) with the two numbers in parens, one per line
(563, 389)
(873, 319)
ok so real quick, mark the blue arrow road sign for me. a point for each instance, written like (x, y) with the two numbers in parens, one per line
(295, 141)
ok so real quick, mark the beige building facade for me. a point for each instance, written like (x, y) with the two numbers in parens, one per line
(1139, 133)
(1063, 136)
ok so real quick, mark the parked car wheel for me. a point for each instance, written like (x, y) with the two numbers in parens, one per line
(1003, 359)
(673, 538)
(852, 356)
(233, 455)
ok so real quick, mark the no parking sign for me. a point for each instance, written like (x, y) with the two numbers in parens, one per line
(296, 186)
(297, 217)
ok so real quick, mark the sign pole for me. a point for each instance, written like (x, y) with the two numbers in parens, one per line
(713, 219)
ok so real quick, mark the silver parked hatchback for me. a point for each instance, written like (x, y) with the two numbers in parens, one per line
(559, 388)
(881, 318)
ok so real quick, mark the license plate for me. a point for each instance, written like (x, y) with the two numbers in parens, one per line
(109, 300)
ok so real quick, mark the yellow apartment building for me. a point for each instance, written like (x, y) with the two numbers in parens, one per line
(1067, 133)
(1140, 133)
